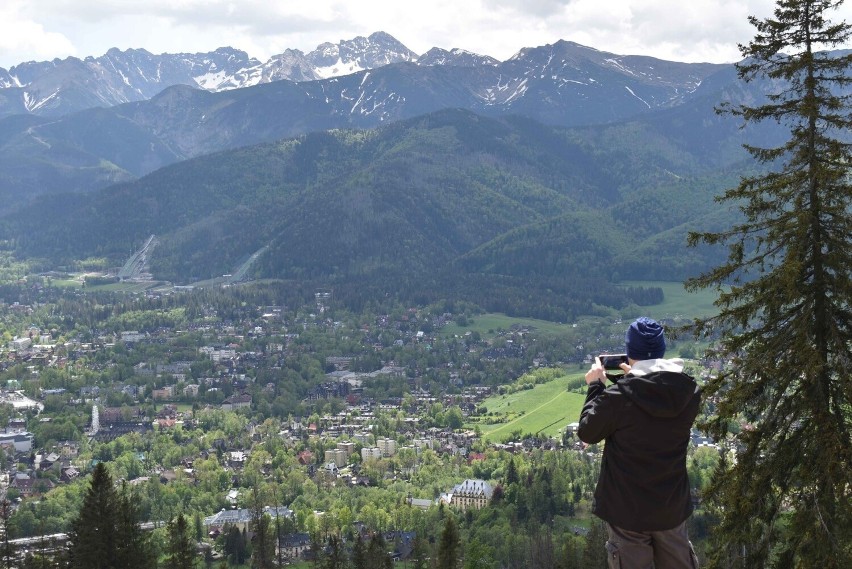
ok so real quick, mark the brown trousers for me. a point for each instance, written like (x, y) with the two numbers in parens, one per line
(668, 549)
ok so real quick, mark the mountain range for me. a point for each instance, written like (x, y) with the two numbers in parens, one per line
(58, 87)
(562, 84)
(372, 165)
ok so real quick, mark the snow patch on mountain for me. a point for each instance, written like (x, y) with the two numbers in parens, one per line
(629, 90)
(338, 68)
(33, 104)
(212, 81)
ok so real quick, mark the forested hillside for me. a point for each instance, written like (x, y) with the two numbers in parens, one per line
(448, 201)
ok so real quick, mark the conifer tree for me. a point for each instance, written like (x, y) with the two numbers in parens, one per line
(511, 472)
(106, 532)
(265, 536)
(6, 550)
(92, 534)
(450, 545)
(181, 550)
(377, 555)
(594, 553)
(359, 554)
(235, 545)
(419, 551)
(263, 552)
(335, 557)
(317, 550)
(134, 547)
(570, 555)
(198, 527)
(786, 321)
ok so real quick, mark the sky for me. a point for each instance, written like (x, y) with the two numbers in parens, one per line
(676, 30)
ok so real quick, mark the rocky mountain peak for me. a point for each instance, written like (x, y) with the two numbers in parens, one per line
(358, 54)
(455, 57)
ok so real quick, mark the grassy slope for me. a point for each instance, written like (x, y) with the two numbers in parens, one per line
(545, 410)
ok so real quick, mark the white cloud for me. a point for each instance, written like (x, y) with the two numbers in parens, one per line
(24, 39)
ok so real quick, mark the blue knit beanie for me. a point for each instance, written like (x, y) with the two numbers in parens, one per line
(645, 340)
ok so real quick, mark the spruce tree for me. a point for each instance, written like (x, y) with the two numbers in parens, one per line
(785, 308)
(106, 533)
(7, 552)
(263, 551)
(450, 545)
(317, 550)
(377, 555)
(135, 549)
(181, 549)
(594, 552)
(199, 527)
(511, 472)
(235, 545)
(359, 554)
(570, 555)
(336, 556)
(92, 535)
(419, 551)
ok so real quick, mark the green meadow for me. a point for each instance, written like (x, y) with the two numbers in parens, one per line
(76, 281)
(545, 409)
(67, 283)
(678, 303)
(486, 324)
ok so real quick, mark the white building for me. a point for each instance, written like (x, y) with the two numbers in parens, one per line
(362, 438)
(131, 336)
(21, 343)
(374, 453)
(242, 518)
(387, 446)
(338, 457)
(420, 444)
(472, 493)
(23, 442)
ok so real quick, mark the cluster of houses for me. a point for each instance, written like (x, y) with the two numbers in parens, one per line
(469, 494)
(37, 349)
(292, 546)
(17, 447)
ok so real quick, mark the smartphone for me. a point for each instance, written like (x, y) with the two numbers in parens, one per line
(612, 361)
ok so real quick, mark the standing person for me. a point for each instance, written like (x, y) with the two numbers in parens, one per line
(645, 417)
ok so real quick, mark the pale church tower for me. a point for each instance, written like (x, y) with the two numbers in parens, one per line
(96, 421)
